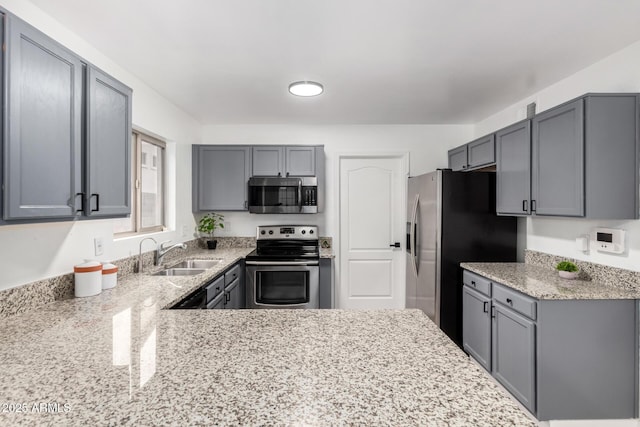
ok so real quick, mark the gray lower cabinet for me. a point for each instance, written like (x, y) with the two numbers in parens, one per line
(108, 146)
(476, 326)
(513, 169)
(326, 283)
(513, 354)
(562, 359)
(233, 296)
(42, 150)
(220, 176)
(217, 303)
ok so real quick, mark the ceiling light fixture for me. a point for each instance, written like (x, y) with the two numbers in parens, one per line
(305, 88)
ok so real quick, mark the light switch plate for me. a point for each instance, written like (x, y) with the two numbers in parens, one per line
(98, 245)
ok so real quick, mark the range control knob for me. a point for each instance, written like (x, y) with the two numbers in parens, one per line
(310, 231)
(262, 232)
(270, 231)
(304, 231)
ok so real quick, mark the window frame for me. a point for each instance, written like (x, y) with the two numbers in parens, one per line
(137, 137)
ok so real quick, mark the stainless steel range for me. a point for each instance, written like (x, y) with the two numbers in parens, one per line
(283, 271)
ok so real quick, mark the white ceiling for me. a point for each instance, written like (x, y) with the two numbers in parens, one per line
(381, 61)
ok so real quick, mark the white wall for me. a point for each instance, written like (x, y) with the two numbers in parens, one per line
(33, 252)
(619, 72)
(427, 146)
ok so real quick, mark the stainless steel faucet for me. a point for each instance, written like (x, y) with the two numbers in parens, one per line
(161, 251)
(140, 267)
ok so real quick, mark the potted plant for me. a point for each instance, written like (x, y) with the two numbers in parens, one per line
(567, 270)
(208, 225)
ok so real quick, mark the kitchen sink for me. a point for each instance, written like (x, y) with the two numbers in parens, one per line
(180, 272)
(197, 263)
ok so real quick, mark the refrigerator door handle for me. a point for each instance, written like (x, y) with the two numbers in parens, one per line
(414, 235)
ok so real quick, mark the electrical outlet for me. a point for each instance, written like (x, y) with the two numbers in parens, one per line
(98, 245)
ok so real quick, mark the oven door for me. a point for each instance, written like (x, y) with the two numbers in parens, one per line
(279, 284)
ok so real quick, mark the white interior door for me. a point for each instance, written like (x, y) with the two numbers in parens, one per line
(372, 218)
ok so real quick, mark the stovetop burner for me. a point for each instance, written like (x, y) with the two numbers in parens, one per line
(286, 243)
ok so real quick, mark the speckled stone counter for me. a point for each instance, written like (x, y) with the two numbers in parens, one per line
(119, 359)
(544, 283)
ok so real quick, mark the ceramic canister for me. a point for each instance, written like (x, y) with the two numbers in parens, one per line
(88, 279)
(109, 276)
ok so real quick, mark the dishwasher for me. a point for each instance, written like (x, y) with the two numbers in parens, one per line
(194, 301)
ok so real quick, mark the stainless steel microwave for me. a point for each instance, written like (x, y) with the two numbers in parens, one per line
(272, 195)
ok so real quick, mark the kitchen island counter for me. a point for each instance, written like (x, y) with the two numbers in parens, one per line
(120, 358)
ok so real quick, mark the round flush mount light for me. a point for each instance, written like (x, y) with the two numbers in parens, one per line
(305, 88)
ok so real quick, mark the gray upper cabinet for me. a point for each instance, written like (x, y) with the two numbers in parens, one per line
(68, 133)
(284, 160)
(584, 160)
(476, 154)
(300, 160)
(108, 148)
(513, 170)
(268, 161)
(220, 176)
(557, 168)
(481, 152)
(458, 158)
(42, 150)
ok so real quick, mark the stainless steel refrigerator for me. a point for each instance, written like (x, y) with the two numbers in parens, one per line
(452, 219)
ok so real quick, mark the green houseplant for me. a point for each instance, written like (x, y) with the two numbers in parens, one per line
(208, 225)
(567, 270)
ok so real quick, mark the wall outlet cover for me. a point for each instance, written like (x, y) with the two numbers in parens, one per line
(98, 244)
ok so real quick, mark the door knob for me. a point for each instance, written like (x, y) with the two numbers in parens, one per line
(395, 245)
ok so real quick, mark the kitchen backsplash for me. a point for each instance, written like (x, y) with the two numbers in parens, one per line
(610, 276)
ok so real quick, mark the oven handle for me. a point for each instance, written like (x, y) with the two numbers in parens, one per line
(281, 305)
(281, 263)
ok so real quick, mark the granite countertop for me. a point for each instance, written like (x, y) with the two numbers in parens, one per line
(119, 359)
(545, 284)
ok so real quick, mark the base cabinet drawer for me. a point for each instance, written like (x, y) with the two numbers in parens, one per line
(515, 300)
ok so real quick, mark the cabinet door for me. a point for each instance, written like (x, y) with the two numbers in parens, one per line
(513, 169)
(300, 161)
(513, 354)
(557, 185)
(220, 176)
(458, 158)
(476, 326)
(482, 151)
(42, 153)
(268, 161)
(108, 147)
(233, 298)
(217, 303)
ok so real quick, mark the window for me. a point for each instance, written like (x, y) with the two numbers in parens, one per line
(147, 187)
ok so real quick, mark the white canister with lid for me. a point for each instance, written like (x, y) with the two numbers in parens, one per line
(109, 276)
(88, 279)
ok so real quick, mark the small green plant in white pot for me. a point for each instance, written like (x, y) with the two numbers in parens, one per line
(567, 270)
(208, 225)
